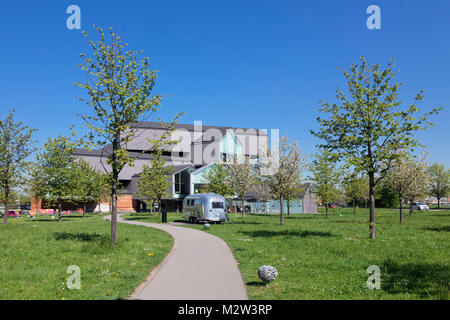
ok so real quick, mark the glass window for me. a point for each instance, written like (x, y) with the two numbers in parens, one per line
(177, 183)
(217, 205)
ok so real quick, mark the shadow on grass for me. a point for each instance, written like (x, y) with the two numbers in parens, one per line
(181, 221)
(424, 279)
(348, 222)
(256, 284)
(63, 218)
(308, 217)
(301, 234)
(137, 218)
(79, 236)
(244, 222)
(439, 229)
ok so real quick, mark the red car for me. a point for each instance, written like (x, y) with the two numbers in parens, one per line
(332, 205)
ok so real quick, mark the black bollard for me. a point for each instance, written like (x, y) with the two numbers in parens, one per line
(164, 214)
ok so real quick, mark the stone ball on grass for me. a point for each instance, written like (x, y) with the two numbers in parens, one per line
(267, 274)
(206, 225)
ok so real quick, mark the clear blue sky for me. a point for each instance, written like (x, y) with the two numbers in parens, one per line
(242, 63)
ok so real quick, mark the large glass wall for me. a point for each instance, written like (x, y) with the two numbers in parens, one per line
(273, 206)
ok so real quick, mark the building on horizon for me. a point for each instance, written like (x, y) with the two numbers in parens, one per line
(199, 148)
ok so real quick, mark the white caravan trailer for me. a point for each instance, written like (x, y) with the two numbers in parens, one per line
(205, 207)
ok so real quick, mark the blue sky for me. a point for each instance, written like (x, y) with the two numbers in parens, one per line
(262, 64)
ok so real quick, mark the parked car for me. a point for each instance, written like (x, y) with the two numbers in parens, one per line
(420, 206)
(24, 208)
(332, 205)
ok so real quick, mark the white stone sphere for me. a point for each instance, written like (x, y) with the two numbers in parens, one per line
(267, 273)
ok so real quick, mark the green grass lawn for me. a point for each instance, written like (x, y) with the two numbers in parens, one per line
(35, 255)
(319, 258)
(153, 217)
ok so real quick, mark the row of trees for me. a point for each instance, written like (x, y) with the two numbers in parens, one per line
(55, 175)
(58, 177)
(407, 179)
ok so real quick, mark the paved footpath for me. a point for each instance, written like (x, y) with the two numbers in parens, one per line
(199, 267)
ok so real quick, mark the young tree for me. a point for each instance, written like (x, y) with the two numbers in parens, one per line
(325, 177)
(262, 190)
(15, 147)
(119, 86)
(356, 189)
(419, 183)
(216, 181)
(281, 170)
(36, 184)
(368, 126)
(292, 192)
(58, 171)
(88, 182)
(102, 189)
(406, 179)
(153, 182)
(241, 176)
(439, 178)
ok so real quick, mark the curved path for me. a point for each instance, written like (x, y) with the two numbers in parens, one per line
(199, 267)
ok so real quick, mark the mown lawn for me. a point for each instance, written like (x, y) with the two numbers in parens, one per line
(319, 258)
(35, 255)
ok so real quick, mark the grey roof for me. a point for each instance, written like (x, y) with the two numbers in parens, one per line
(190, 127)
(106, 151)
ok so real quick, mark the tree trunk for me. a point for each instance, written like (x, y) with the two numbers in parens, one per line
(159, 207)
(84, 210)
(439, 202)
(354, 207)
(114, 210)
(326, 208)
(372, 230)
(115, 183)
(411, 207)
(59, 210)
(288, 207)
(401, 209)
(243, 206)
(281, 209)
(5, 214)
